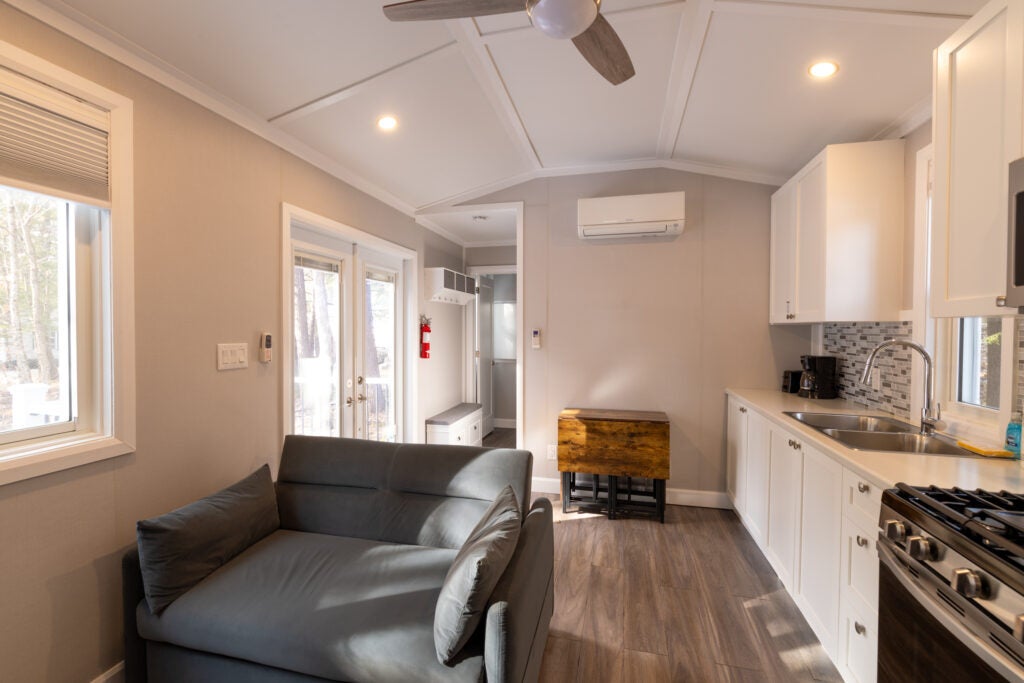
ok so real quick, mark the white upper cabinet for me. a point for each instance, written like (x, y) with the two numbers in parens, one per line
(837, 237)
(978, 126)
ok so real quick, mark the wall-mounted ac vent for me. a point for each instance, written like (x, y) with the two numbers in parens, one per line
(448, 287)
(639, 215)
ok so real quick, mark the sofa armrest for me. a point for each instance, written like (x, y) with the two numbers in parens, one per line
(132, 592)
(521, 605)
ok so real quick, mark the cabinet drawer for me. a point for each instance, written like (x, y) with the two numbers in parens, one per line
(476, 437)
(860, 564)
(862, 499)
(860, 651)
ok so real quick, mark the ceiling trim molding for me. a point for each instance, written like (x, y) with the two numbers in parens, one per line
(434, 227)
(471, 208)
(349, 90)
(455, 202)
(808, 11)
(910, 120)
(481, 63)
(693, 32)
(491, 243)
(83, 29)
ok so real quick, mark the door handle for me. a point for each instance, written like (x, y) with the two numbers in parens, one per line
(360, 398)
(359, 380)
(349, 401)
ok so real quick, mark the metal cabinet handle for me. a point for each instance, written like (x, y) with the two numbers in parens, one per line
(360, 398)
(791, 442)
(1001, 302)
(797, 445)
(862, 487)
(742, 409)
(860, 628)
(349, 401)
(861, 541)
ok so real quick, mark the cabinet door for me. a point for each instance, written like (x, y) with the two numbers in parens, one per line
(978, 131)
(821, 533)
(783, 254)
(756, 492)
(785, 467)
(736, 446)
(810, 242)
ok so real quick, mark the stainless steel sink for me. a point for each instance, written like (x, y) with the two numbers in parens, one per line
(868, 433)
(933, 444)
(859, 423)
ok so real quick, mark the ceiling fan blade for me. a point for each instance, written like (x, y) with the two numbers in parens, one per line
(600, 45)
(419, 10)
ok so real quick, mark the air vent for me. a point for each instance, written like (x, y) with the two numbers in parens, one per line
(1005, 649)
(447, 286)
(949, 603)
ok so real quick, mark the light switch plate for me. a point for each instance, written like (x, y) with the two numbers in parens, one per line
(232, 356)
(552, 452)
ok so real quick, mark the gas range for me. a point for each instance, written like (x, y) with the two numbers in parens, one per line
(963, 551)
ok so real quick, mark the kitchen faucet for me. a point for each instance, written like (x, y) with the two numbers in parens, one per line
(929, 419)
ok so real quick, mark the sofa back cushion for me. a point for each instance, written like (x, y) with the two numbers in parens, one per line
(418, 494)
(181, 548)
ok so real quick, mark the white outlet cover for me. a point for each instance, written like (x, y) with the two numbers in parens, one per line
(552, 452)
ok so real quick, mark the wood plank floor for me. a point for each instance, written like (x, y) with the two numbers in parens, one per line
(501, 438)
(690, 600)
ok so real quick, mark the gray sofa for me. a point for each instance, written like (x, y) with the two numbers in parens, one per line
(345, 589)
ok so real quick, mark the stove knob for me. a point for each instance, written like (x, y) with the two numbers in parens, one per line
(895, 531)
(922, 549)
(970, 583)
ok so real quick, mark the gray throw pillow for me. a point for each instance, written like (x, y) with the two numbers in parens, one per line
(473, 575)
(181, 548)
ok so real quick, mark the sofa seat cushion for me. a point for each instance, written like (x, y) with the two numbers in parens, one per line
(340, 608)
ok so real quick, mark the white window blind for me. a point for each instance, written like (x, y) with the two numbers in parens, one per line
(51, 139)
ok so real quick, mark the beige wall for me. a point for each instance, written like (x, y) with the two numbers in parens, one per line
(490, 256)
(207, 262)
(650, 325)
(915, 140)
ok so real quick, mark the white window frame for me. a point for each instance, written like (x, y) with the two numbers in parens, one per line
(106, 426)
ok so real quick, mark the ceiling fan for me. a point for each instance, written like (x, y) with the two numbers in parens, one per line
(580, 20)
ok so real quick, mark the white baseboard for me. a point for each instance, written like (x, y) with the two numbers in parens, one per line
(699, 499)
(547, 485)
(114, 674)
(503, 423)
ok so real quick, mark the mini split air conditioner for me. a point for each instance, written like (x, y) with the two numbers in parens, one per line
(448, 287)
(638, 215)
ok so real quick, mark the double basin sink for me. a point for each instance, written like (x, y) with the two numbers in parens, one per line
(867, 433)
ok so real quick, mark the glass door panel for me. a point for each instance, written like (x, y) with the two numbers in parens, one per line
(380, 355)
(317, 307)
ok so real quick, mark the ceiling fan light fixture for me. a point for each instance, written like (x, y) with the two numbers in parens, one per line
(562, 18)
(823, 69)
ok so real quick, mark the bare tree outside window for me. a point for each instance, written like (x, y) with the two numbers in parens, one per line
(34, 319)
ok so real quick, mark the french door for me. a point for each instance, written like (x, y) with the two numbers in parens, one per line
(347, 363)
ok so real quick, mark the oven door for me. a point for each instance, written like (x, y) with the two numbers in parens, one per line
(922, 634)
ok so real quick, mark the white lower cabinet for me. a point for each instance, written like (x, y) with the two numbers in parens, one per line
(736, 451)
(758, 456)
(816, 522)
(821, 521)
(785, 467)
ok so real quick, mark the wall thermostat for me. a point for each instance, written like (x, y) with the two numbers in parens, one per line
(535, 339)
(265, 347)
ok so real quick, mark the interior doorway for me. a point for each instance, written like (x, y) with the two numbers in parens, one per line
(493, 362)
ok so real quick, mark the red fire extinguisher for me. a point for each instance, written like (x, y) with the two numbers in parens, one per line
(424, 337)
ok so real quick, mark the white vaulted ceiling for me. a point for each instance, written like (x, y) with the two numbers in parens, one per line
(721, 86)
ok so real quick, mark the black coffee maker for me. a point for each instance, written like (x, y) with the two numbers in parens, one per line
(819, 377)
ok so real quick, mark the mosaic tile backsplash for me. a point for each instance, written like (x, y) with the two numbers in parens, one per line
(851, 343)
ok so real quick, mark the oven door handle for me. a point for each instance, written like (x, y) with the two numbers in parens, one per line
(888, 556)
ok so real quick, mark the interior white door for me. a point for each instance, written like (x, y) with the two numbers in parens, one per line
(485, 351)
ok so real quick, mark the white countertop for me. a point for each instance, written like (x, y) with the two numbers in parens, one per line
(883, 469)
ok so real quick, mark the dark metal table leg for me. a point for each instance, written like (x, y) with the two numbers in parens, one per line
(659, 497)
(613, 495)
(566, 490)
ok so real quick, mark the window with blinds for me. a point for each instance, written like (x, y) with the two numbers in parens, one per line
(53, 140)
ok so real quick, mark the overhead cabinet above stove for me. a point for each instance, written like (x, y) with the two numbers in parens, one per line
(837, 237)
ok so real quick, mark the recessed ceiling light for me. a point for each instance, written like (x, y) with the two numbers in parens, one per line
(823, 69)
(387, 123)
